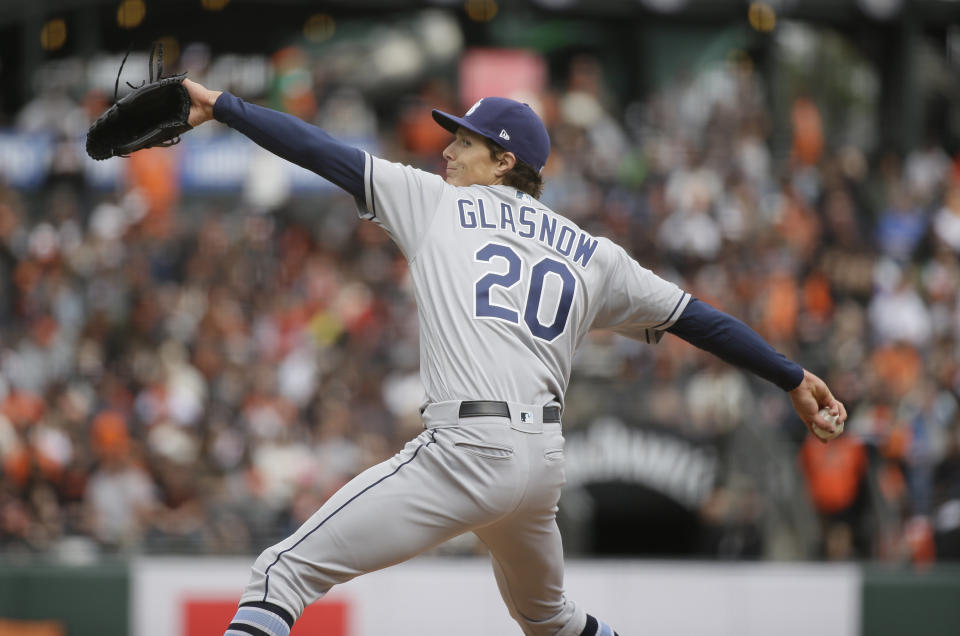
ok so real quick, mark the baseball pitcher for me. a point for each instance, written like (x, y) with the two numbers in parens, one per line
(506, 290)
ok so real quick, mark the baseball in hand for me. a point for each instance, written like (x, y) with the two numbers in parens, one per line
(825, 434)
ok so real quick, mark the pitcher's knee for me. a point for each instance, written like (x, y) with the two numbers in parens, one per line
(273, 581)
(287, 577)
(266, 558)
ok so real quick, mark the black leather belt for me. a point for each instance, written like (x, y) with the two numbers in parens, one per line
(490, 408)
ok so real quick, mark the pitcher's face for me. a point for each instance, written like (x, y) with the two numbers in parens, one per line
(469, 161)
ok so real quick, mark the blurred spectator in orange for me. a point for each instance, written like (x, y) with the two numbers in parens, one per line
(152, 174)
(797, 223)
(919, 539)
(836, 475)
(781, 305)
(22, 408)
(807, 131)
(899, 368)
(109, 435)
(420, 134)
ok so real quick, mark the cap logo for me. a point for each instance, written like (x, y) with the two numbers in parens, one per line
(504, 134)
(474, 107)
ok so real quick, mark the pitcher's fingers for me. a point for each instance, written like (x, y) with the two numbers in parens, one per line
(836, 408)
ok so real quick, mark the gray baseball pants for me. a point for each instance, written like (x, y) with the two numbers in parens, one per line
(495, 476)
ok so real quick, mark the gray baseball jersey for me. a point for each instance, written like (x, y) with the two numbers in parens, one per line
(506, 290)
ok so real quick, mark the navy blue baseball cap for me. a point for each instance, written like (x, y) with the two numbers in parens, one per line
(508, 123)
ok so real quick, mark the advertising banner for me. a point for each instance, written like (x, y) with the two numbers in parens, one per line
(437, 597)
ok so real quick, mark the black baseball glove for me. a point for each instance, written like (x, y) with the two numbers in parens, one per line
(154, 114)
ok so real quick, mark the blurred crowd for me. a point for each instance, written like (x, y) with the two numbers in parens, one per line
(198, 373)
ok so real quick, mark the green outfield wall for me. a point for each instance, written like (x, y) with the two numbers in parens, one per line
(909, 602)
(89, 600)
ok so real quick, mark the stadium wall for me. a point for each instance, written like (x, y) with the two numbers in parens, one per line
(179, 596)
(431, 596)
(42, 599)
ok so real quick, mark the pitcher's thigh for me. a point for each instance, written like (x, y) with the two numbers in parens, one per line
(385, 515)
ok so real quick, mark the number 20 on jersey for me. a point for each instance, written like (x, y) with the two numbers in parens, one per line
(485, 308)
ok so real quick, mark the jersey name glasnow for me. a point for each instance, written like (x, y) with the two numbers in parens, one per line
(529, 223)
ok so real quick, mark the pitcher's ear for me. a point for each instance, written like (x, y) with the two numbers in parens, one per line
(506, 163)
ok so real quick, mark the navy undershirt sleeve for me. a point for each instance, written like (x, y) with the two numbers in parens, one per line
(734, 342)
(296, 141)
